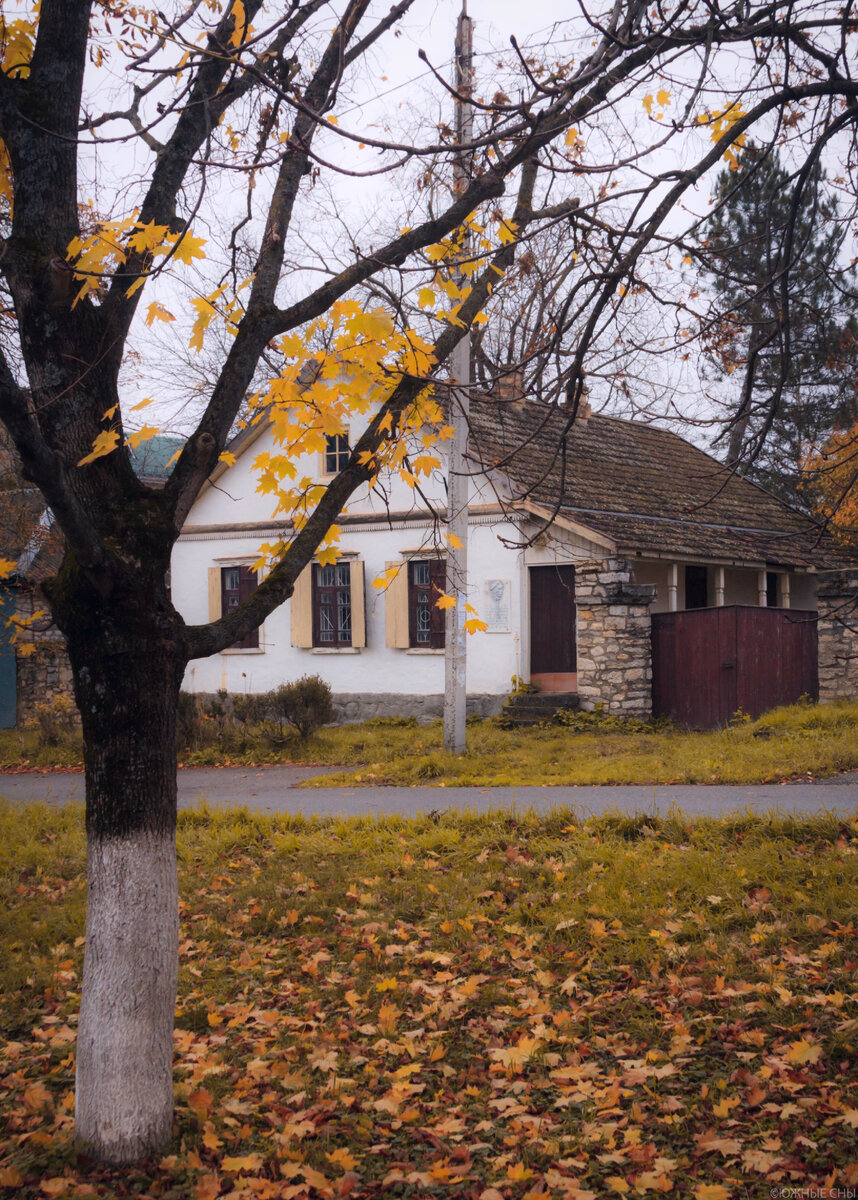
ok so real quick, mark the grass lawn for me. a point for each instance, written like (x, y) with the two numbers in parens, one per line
(788, 743)
(473, 1007)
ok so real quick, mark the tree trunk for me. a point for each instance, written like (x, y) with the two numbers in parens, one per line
(127, 673)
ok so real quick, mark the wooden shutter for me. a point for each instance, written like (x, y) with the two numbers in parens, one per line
(358, 603)
(302, 609)
(396, 608)
(215, 612)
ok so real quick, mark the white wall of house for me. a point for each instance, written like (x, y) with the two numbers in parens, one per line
(493, 657)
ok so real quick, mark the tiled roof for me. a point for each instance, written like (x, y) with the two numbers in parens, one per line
(644, 487)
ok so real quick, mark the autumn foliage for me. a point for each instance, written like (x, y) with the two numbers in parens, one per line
(830, 482)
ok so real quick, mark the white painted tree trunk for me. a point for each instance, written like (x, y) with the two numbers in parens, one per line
(124, 1102)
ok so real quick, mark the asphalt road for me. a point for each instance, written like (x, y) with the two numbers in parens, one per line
(272, 789)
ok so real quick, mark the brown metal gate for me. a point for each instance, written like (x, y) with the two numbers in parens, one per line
(709, 662)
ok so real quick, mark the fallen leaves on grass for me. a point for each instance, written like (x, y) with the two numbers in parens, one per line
(477, 1008)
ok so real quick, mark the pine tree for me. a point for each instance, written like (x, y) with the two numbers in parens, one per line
(785, 332)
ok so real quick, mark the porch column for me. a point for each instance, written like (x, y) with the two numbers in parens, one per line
(761, 589)
(673, 587)
(719, 587)
(783, 590)
(837, 628)
(614, 638)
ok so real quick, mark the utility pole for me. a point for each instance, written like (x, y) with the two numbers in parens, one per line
(455, 644)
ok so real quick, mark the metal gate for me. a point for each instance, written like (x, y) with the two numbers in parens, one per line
(709, 662)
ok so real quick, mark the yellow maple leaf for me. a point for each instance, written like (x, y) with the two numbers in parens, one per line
(445, 601)
(146, 238)
(619, 1185)
(105, 443)
(711, 1191)
(518, 1172)
(244, 1162)
(239, 30)
(648, 103)
(456, 543)
(507, 232)
(328, 556)
(7, 566)
(157, 312)
(803, 1052)
(227, 456)
(142, 404)
(426, 297)
(571, 136)
(341, 1158)
(139, 436)
(189, 247)
(662, 98)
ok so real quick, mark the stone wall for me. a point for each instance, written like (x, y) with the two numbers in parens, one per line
(837, 597)
(614, 638)
(350, 707)
(43, 672)
(357, 706)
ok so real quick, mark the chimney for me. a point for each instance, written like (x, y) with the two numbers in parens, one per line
(509, 386)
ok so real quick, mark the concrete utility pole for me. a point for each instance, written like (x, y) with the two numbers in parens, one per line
(455, 653)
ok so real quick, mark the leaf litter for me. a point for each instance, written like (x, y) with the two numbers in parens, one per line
(465, 1006)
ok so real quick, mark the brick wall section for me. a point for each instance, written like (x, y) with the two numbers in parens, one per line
(614, 638)
(838, 636)
(46, 672)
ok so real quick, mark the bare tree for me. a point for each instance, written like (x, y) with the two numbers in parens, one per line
(219, 101)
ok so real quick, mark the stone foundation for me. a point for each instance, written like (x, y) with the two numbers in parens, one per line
(350, 707)
(837, 629)
(614, 638)
(357, 706)
(45, 671)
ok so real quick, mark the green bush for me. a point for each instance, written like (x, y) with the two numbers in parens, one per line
(306, 704)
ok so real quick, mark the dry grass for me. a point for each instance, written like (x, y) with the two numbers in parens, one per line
(803, 740)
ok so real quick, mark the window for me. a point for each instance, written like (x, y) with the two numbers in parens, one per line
(236, 584)
(337, 453)
(771, 589)
(696, 587)
(332, 605)
(426, 582)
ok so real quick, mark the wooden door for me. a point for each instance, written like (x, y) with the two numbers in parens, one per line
(553, 657)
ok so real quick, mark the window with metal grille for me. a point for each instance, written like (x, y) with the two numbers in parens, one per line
(332, 605)
(337, 453)
(236, 584)
(426, 582)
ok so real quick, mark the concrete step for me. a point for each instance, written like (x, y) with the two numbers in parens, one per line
(534, 708)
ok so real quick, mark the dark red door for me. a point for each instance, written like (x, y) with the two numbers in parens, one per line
(552, 621)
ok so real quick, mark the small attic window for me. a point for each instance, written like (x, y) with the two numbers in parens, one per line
(337, 453)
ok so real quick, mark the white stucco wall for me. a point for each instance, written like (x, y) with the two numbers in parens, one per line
(492, 657)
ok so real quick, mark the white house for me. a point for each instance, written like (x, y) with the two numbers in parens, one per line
(577, 536)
